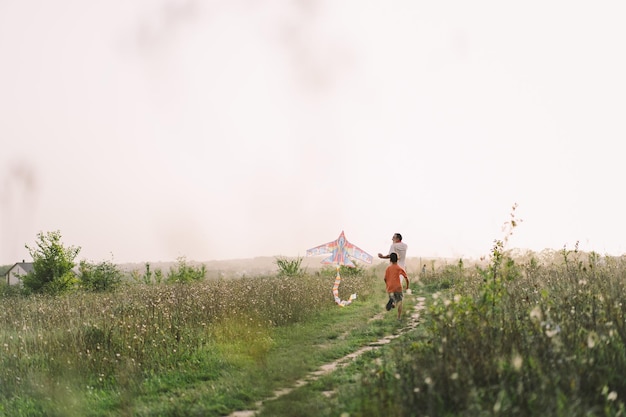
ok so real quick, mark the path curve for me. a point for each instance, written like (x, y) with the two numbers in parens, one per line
(327, 368)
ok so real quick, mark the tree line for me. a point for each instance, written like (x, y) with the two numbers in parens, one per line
(55, 270)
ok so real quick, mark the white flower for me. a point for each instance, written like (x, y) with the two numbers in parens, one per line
(553, 332)
(535, 314)
(592, 338)
(497, 406)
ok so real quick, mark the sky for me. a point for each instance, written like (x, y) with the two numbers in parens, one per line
(150, 130)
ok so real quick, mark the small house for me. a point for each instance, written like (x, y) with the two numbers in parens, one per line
(18, 270)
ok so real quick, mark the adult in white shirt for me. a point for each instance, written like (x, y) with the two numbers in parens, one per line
(399, 248)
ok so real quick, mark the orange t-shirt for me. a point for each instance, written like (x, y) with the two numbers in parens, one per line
(393, 278)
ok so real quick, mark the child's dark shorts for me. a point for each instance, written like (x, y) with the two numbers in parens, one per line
(395, 296)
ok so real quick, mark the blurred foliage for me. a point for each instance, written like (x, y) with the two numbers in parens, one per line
(7, 290)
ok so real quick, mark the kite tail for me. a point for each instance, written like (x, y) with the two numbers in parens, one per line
(339, 301)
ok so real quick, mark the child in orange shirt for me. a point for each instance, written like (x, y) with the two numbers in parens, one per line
(393, 279)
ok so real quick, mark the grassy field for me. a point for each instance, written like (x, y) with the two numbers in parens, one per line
(529, 336)
(204, 348)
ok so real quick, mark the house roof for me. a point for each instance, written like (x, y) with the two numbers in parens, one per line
(26, 266)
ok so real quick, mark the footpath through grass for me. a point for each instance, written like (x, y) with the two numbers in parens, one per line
(338, 392)
(298, 349)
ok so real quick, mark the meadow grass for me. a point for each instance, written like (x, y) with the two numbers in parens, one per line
(530, 336)
(200, 348)
(541, 339)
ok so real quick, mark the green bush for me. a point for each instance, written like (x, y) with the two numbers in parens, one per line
(184, 272)
(289, 267)
(104, 276)
(52, 265)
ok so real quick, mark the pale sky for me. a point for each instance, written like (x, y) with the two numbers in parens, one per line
(148, 130)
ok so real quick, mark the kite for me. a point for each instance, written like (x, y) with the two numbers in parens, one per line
(340, 253)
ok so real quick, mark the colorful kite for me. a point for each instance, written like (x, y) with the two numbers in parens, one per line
(341, 251)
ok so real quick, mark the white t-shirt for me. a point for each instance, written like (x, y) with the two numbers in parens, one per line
(400, 249)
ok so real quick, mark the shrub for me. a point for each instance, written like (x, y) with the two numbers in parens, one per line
(289, 267)
(104, 276)
(52, 265)
(184, 272)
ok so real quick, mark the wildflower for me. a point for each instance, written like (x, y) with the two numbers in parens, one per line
(592, 338)
(551, 332)
(428, 380)
(612, 396)
(517, 362)
(497, 406)
(535, 314)
(454, 376)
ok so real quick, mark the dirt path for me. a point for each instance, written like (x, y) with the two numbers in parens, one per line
(411, 323)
